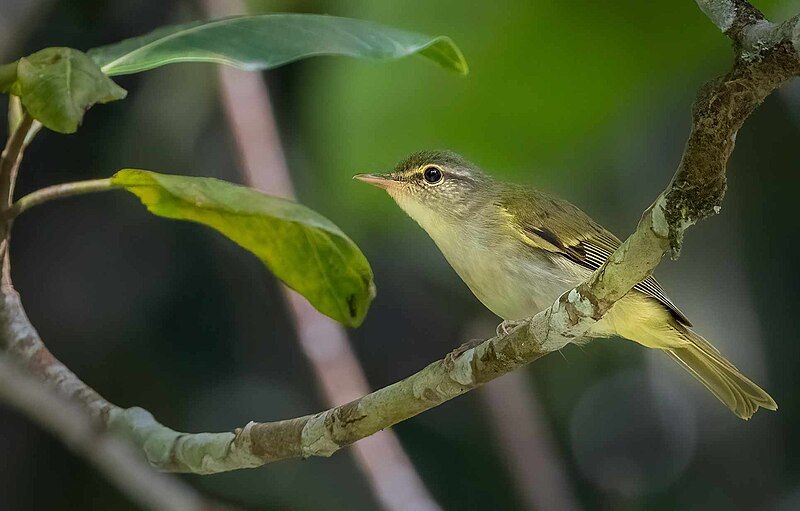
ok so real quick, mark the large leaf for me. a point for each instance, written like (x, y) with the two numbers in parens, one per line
(304, 249)
(58, 85)
(266, 41)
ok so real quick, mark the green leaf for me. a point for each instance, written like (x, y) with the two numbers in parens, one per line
(270, 40)
(58, 85)
(301, 247)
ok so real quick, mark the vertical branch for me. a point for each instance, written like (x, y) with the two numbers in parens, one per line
(525, 440)
(11, 157)
(527, 444)
(21, 125)
(391, 475)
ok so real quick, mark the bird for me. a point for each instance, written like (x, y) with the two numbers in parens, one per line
(519, 249)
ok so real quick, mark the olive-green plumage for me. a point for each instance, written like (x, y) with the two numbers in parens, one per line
(518, 249)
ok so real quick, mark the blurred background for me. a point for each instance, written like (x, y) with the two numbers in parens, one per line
(588, 100)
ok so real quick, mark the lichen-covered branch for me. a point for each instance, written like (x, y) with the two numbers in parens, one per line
(258, 443)
(766, 57)
(725, 13)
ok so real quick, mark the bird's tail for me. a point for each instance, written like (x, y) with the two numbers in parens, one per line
(721, 377)
(648, 322)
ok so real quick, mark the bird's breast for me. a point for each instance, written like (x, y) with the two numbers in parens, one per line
(512, 280)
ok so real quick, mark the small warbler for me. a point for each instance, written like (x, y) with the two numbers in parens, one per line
(518, 249)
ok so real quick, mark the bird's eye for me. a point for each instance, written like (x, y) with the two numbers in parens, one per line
(432, 174)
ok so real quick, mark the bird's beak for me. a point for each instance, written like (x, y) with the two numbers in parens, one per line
(379, 180)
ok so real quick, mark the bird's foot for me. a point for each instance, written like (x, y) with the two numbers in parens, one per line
(451, 357)
(507, 326)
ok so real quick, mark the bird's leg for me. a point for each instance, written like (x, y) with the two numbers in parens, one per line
(451, 357)
(508, 325)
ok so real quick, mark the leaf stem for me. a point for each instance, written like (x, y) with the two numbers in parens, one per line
(57, 192)
(8, 74)
(12, 154)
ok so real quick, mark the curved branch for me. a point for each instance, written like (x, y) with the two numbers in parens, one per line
(255, 444)
(767, 56)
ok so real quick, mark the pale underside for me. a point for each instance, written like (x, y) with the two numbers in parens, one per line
(515, 279)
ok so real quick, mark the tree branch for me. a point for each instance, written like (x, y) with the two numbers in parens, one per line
(698, 186)
(255, 444)
(766, 57)
(727, 13)
(21, 124)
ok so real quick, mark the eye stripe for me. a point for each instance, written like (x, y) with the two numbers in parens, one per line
(417, 174)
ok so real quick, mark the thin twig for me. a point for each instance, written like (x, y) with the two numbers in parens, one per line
(56, 192)
(9, 165)
(11, 157)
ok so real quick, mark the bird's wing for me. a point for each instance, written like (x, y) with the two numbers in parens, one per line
(548, 223)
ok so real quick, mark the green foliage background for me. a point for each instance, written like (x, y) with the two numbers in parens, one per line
(587, 99)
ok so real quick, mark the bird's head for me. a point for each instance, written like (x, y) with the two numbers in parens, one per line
(434, 186)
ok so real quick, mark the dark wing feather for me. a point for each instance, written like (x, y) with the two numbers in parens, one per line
(538, 216)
